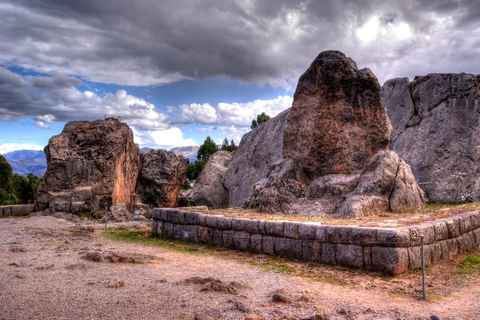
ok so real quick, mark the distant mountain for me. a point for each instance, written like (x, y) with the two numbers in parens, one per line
(146, 150)
(24, 162)
(189, 153)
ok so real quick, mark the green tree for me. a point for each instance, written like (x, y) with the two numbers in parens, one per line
(261, 118)
(228, 146)
(7, 195)
(206, 150)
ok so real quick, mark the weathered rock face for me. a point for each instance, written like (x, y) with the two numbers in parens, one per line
(335, 157)
(90, 165)
(161, 177)
(257, 151)
(435, 120)
(209, 189)
(337, 122)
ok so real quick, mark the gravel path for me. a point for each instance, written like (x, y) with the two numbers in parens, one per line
(55, 269)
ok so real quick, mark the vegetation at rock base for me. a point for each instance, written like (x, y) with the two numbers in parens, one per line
(14, 188)
(261, 118)
(204, 152)
(471, 264)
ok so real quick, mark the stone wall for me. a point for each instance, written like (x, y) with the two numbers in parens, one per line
(16, 210)
(389, 250)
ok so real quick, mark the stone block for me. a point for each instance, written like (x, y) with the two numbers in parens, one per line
(441, 230)
(465, 224)
(205, 235)
(191, 218)
(333, 234)
(475, 219)
(238, 224)
(328, 253)
(211, 221)
(241, 240)
(274, 228)
(414, 257)
(202, 219)
(476, 236)
(436, 252)
(452, 247)
(178, 216)
(256, 243)
(178, 231)
(291, 229)
(7, 211)
(307, 230)
(444, 247)
(349, 256)
(466, 242)
(367, 258)
(452, 227)
(190, 233)
(321, 233)
(289, 248)
(312, 250)
(224, 223)
(228, 239)
(156, 228)
(168, 229)
(218, 238)
(1, 212)
(268, 245)
(428, 231)
(157, 214)
(363, 236)
(252, 226)
(261, 226)
(22, 210)
(399, 237)
(390, 260)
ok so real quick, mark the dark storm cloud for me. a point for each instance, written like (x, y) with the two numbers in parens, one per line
(152, 42)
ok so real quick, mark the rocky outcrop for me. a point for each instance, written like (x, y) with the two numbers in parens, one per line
(435, 121)
(334, 155)
(209, 189)
(91, 165)
(256, 153)
(161, 178)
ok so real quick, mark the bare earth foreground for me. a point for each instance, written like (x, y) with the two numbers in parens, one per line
(55, 269)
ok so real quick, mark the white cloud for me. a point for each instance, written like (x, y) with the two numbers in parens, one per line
(42, 125)
(167, 139)
(9, 147)
(228, 114)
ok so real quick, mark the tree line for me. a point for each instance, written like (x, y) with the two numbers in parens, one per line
(14, 188)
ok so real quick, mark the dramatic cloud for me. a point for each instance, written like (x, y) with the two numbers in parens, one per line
(230, 114)
(148, 42)
(58, 99)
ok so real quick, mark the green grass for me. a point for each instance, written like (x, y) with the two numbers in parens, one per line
(470, 265)
(144, 237)
(277, 267)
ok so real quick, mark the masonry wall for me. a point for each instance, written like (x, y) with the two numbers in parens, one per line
(16, 210)
(390, 250)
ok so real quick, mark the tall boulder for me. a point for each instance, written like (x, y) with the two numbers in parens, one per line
(90, 165)
(162, 175)
(257, 151)
(435, 120)
(334, 155)
(209, 189)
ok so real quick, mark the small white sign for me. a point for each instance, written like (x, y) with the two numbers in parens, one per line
(137, 212)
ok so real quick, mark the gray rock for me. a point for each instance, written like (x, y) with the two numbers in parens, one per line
(209, 189)
(390, 260)
(161, 178)
(119, 212)
(257, 151)
(435, 120)
(349, 256)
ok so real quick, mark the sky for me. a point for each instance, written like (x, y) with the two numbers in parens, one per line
(177, 70)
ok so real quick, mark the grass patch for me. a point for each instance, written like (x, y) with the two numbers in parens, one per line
(470, 265)
(144, 237)
(277, 267)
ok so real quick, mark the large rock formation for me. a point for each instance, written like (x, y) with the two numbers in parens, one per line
(334, 158)
(161, 178)
(209, 189)
(91, 165)
(436, 130)
(256, 153)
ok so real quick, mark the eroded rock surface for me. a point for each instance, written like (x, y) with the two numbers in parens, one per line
(209, 189)
(435, 120)
(161, 177)
(90, 165)
(334, 158)
(256, 153)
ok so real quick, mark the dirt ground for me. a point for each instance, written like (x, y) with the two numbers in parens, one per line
(55, 269)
